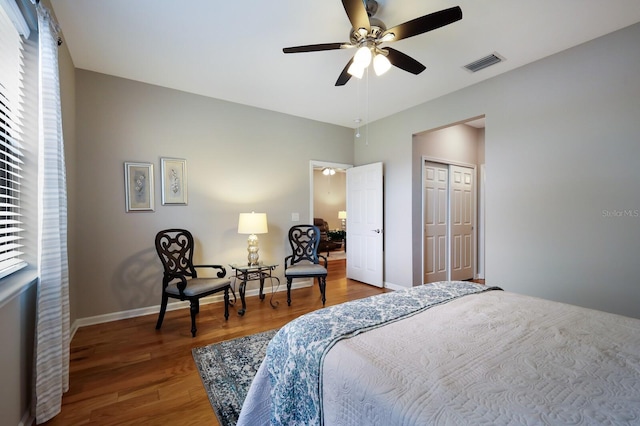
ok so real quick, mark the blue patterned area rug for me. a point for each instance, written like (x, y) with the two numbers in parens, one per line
(227, 369)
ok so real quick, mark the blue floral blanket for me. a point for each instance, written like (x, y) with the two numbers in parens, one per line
(295, 355)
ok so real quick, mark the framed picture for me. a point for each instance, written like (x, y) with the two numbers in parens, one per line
(174, 181)
(138, 184)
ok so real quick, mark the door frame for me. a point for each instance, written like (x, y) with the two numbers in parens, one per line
(477, 224)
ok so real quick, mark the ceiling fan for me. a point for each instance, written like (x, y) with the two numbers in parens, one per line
(369, 33)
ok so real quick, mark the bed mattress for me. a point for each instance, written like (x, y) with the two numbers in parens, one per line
(490, 358)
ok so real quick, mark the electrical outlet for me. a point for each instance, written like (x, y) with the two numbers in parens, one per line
(295, 217)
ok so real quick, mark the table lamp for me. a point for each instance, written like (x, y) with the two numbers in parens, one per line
(252, 223)
(342, 215)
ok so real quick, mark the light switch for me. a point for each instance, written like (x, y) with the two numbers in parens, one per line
(295, 217)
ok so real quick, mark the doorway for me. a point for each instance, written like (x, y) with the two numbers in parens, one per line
(328, 203)
(458, 144)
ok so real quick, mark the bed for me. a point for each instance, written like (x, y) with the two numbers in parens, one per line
(450, 353)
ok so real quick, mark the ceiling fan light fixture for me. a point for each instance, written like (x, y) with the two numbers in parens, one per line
(368, 33)
(387, 37)
(363, 57)
(381, 64)
(355, 70)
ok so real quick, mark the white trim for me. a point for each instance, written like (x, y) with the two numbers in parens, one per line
(15, 284)
(153, 310)
(394, 287)
(13, 12)
(481, 219)
(447, 162)
(27, 419)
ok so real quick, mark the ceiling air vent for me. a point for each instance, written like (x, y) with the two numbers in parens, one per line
(485, 62)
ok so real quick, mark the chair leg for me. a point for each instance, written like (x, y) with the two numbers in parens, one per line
(289, 280)
(322, 283)
(163, 309)
(195, 308)
(226, 303)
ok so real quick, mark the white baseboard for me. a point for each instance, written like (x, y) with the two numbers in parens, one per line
(394, 287)
(115, 316)
(27, 419)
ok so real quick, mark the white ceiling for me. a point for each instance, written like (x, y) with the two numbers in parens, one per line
(232, 50)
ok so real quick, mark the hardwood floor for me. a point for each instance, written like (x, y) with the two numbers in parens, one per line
(128, 373)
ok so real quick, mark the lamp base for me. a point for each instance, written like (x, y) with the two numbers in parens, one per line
(252, 249)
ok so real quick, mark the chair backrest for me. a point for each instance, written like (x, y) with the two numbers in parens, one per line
(175, 248)
(304, 241)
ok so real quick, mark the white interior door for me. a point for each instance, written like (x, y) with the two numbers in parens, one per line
(436, 188)
(365, 236)
(462, 220)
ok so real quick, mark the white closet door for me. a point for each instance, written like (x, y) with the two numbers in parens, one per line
(462, 213)
(436, 187)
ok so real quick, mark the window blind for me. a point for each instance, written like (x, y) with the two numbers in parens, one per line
(11, 149)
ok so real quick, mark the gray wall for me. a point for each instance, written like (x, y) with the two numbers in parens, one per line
(561, 156)
(239, 159)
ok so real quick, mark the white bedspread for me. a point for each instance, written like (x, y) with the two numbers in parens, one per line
(494, 358)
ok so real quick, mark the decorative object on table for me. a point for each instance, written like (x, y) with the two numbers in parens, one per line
(336, 235)
(342, 215)
(252, 223)
(227, 370)
(174, 181)
(304, 262)
(260, 272)
(138, 185)
(180, 279)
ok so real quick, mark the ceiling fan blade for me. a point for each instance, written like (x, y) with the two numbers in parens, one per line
(404, 62)
(315, 47)
(344, 75)
(425, 23)
(357, 13)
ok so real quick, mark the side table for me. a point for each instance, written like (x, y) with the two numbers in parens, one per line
(244, 273)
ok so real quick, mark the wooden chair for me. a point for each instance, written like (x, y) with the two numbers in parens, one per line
(305, 260)
(180, 279)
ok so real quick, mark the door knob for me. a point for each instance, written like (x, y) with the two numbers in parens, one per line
(377, 231)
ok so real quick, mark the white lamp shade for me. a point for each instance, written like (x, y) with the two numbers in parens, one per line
(252, 223)
(363, 57)
(342, 214)
(381, 64)
(356, 70)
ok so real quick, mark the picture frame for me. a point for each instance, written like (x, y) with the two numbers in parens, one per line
(174, 181)
(139, 189)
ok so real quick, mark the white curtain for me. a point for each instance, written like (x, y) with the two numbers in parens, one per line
(52, 328)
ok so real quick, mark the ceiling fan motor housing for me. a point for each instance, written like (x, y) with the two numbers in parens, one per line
(371, 6)
(377, 28)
